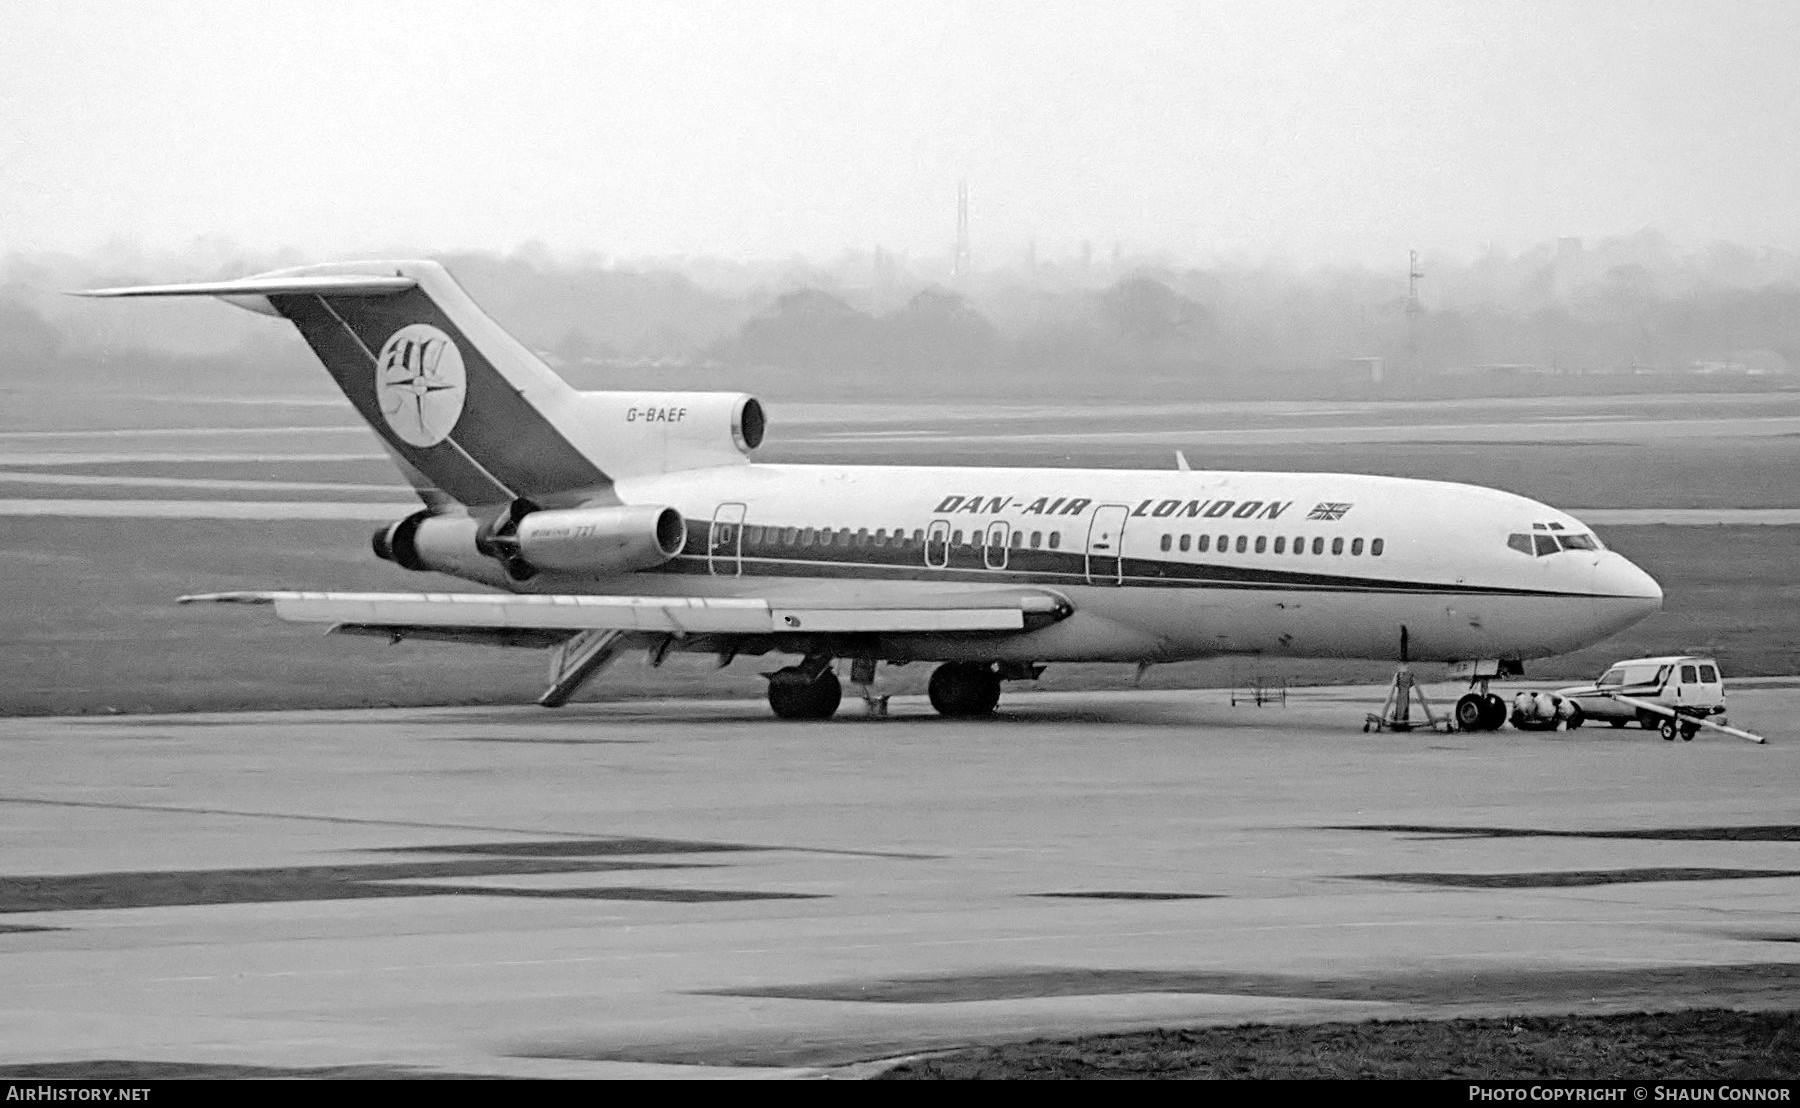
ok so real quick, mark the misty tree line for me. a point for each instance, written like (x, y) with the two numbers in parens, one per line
(859, 327)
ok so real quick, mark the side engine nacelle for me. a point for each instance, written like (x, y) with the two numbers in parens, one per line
(525, 540)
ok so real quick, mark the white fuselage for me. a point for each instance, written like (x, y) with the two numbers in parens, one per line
(1157, 565)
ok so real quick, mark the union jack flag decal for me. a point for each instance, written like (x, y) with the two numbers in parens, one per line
(1330, 511)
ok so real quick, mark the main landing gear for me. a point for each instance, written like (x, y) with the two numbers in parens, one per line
(806, 691)
(962, 690)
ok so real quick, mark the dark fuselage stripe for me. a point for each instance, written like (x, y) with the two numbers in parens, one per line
(1073, 571)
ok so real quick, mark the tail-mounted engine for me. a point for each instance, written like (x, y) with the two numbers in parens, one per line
(630, 433)
(526, 540)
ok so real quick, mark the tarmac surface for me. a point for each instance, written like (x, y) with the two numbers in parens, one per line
(693, 888)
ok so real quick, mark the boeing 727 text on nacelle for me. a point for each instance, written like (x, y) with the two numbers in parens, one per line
(611, 521)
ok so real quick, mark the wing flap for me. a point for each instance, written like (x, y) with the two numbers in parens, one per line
(680, 615)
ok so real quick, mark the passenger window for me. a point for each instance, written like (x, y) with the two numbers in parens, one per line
(1184, 543)
(1018, 540)
(918, 535)
(807, 536)
(1375, 548)
(1689, 675)
(862, 536)
(881, 536)
(1521, 543)
(1318, 546)
(1037, 539)
(790, 536)
(1709, 675)
(1203, 543)
(844, 537)
(1055, 539)
(956, 538)
(1355, 547)
(1543, 544)
(825, 537)
(1299, 544)
(1224, 544)
(1337, 546)
(1281, 544)
(1167, 542)
(1261, 543)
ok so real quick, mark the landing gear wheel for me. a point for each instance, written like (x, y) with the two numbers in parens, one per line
(1495, 713)
(1471, 713)
(792, 696)
(1667, 729)
(964, 689)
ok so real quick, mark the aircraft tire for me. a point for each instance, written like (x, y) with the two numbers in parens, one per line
(792, 696)
(1494, 714)
(964, 689)
(1471, 713)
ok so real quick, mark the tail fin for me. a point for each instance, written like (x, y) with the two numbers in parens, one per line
(453, 395)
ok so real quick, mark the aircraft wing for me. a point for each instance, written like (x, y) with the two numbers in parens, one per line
(473, 613)
(585, 633)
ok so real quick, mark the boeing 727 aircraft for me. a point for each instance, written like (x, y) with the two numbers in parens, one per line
(612, 521)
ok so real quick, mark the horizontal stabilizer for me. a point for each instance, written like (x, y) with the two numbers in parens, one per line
(345, 284)
(663, 614)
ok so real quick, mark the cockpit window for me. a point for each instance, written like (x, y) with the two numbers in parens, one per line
(1539, 544)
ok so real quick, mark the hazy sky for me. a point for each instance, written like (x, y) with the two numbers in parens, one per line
(1311, 131)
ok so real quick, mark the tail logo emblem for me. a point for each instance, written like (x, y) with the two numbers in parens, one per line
(420, 384)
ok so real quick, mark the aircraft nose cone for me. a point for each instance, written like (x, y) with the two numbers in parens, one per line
(1623, 593)
(1617, 576)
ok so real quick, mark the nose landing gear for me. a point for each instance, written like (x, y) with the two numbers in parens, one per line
(1480, 711)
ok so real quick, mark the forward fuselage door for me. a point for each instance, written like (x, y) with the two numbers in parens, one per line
(1105, 545)
(725, 542)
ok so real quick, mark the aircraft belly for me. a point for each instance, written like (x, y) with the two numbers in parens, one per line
(1168, 624)
(1160, 624)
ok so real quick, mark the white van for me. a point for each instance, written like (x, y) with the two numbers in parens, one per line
(1689, 684)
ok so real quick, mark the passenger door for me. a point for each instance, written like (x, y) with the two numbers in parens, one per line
(725, 542)
(1105, 545)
